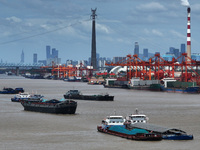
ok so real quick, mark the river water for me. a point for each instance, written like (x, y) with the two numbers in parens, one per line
(23, 130)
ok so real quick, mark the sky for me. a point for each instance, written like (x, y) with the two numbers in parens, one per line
(67, 26)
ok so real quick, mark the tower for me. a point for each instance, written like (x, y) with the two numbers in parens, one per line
(136, 49)
(48, 53)
(34, 58)
(93, 47)
(188, 33)
(22, 57)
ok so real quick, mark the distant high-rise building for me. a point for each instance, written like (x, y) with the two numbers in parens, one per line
(183, 48)
(34, 58)
(171, 49)
(44, 62)
(52, 58)
(118, 59)
(54, 53)
(48, 52)
(176, 52)
(22, 57)
(145, 52)
(136, 49)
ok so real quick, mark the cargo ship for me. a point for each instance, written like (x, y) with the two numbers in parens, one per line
(174, 86)
(116, 83)
(12, 91)
(75, 94)
(150, 85)
(72, 79)
(114, 125)
(50, 106)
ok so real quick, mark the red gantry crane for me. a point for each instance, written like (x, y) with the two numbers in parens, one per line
(159, 68)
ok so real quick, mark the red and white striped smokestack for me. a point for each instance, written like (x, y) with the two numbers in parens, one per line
(188, 34)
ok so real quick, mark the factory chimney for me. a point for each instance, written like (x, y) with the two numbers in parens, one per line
(188, 33)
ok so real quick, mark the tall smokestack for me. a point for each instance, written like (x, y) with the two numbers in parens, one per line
(188, 33)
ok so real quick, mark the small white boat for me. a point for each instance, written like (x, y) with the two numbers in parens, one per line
(113, 120)
(136, 118)
(26, 96)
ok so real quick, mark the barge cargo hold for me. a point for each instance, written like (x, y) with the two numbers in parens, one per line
(75, 94)
(135, 134)
(50, 106)
(166, 133)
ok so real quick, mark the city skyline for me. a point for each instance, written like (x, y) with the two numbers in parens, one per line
(66, 25)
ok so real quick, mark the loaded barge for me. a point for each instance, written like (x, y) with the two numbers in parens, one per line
(12, 91)
(50, 106)
(75, 94)
(114, 125)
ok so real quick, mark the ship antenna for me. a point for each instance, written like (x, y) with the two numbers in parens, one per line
(136, 111)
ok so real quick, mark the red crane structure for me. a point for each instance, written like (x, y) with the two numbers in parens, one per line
(62, 71)
(159, 68)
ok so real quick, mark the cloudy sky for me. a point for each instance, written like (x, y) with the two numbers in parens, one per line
(30, 25)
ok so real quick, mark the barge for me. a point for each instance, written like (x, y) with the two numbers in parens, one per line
(174, 86)
(75, 94)
(138, 84)
(50, 106)
(114, 125)
(12, 91)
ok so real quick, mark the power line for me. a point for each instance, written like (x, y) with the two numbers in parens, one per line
(39, 34)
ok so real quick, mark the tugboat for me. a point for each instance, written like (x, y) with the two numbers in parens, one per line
(75, 94)
(12, 91)
(50, 106)
(26, 96)
(114, 125)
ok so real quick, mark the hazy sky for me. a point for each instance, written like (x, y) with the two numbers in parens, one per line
(30, 25)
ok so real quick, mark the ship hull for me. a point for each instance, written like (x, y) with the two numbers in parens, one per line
(178, 137)
(191, 90)
(61, 108)
(90, 97)
(152, 87)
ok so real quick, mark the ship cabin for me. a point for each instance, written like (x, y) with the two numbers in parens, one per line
(136, 118)
(23, 95)
(114, 120)
(73, 92)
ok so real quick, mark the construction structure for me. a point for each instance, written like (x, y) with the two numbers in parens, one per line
(187, 70)
(62, 71)
(157, 68)
(93, 51)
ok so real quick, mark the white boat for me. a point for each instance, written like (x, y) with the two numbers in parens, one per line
(136, 118)
(26, 96)
(113, 120)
